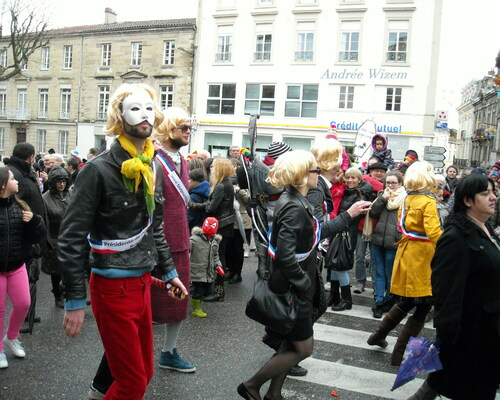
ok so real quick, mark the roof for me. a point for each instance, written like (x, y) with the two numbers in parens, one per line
(123, 26)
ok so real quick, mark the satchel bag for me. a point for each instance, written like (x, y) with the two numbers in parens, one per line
(340, 254)
(275, 311)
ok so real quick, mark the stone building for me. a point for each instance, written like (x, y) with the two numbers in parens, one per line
(60, 98)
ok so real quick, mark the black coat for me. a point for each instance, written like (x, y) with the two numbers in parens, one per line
(466, 288)
(351, 196)
(221, 203)
(17, 236)
(386, 232)
(102, 206)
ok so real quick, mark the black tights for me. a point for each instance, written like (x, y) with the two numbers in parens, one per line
(276, 369)
(421, 310)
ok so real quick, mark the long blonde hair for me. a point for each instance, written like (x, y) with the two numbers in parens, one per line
(221, 168)
(420, 177)
(114, 125)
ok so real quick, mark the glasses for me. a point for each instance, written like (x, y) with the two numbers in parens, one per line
(185, 128)
(391, 183)
(315, 171)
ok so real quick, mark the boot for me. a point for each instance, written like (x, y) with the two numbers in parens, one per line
(235, 279)
(346, 302)
(197, 311)
(411, 328)
(217, 295)
(378, 311)
(334, 298)
(425, 392)
(391, 320)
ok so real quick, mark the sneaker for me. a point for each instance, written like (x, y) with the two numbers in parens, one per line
(15, 346)
(360, 287)
(246, 251)
(3, 360)
(297, 371)
(175, 362)
(328, 286)
(94, 394)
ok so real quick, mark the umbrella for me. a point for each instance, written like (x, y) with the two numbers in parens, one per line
(33, 275)
(421, 356)
(239, 219)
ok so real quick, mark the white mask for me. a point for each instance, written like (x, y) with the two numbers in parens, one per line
(138, 107)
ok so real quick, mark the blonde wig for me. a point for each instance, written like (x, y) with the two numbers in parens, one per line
(291, 169)
(221, 168)
(174, 116)
(420, 176)
(114, 126)
(328, 154)
(353, 171)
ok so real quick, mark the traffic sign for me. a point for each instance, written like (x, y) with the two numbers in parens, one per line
(436, 164)
(434, 157)
(434, 150)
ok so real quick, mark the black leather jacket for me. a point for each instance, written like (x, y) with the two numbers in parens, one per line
(17, 236)
(221, 203)
(102, 207)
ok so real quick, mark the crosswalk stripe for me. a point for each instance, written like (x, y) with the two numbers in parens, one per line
(345, 377)
(366, 313)
(349, 337)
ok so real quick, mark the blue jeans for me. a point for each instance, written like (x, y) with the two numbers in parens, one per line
(384, 260)
(341, 276)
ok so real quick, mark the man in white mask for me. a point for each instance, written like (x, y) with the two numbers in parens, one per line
(116, 207)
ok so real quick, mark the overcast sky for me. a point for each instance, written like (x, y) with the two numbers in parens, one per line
(470, 35)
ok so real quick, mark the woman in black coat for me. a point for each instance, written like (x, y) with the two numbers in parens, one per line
(292, 248)
(465, 285)
(56, 200)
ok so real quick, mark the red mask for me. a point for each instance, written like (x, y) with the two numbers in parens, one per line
(210, 227)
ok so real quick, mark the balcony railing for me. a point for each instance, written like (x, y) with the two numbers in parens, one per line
(43, 114)
(64, 115)
(101, 116)
(304, 55)
(262, 56)
(222, 57)
(18, 114)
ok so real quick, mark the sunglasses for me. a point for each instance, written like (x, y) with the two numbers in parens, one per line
(185, 128)
(315, 171)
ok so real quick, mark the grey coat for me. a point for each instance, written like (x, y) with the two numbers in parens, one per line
(386, 232)
(204, 256)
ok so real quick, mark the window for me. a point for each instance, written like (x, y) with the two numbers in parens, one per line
(44, 65)
(106, 55)
(22, 99)
(166, 96)
(265, 2)
(3, 103)
(63, 142)
(3, 58)
(168, 52)
(305, 43)
(41, 135)
(393, 99)
(221, 98)
(259, 98)
(346, 97)
(65, 104)
(263, 48)
(397, 41)
(136, 54)
(302, 101)
(68, 57)
(2, 139)
(349, 41)
(103, 104)
(224, 44)
(43, 102)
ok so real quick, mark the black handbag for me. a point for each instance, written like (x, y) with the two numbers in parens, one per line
(275, 311)
(340, 254)
(319, 302)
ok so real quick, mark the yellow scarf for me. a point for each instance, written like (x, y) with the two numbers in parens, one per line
(138, 168)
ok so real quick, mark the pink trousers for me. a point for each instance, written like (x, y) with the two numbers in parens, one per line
(15, 285)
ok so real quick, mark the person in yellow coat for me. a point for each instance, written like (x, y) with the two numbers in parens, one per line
(411, 275)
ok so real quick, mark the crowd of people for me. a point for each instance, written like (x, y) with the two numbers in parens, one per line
(140, 212)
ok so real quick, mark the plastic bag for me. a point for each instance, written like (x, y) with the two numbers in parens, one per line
(421, 356)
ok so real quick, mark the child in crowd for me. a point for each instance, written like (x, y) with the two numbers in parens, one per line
(205, 262)
(199, 191)
(380, 150)
(410, 157)
(21, 229)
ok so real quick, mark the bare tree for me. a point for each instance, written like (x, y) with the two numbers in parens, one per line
(28, 32)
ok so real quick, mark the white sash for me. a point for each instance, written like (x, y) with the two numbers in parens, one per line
(174, 178)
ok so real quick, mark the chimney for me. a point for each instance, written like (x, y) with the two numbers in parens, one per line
(109, 16)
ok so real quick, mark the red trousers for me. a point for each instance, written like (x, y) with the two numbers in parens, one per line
(122, 309)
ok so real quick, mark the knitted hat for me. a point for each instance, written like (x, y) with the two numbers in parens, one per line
(497, 164)
(276, 149)
(377, 165)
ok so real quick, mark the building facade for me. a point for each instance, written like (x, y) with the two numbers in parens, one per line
(61, 97)
(307, 65)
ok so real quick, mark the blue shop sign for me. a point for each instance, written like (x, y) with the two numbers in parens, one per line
(354, 126)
